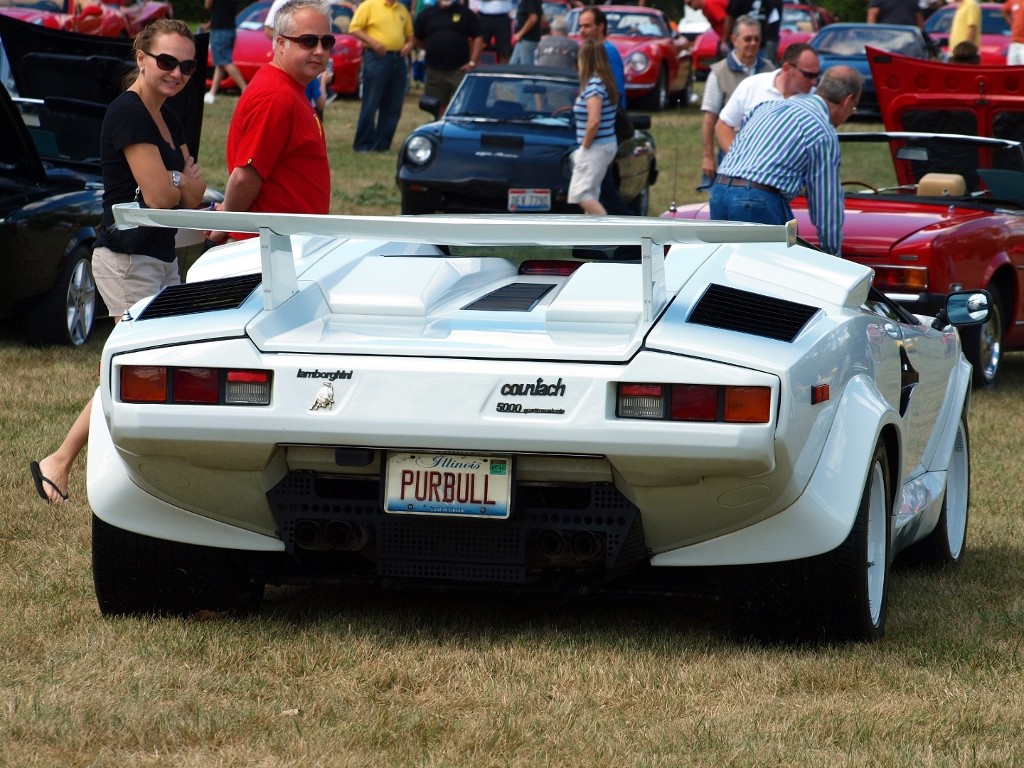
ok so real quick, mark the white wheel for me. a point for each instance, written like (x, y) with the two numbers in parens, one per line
(945, 545)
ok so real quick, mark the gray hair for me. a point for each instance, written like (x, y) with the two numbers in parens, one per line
(746, 20)
(285, 16)
(559, 24)
(839, 82)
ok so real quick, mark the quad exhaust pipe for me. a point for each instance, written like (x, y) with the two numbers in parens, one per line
(572, 546)
(333, 534)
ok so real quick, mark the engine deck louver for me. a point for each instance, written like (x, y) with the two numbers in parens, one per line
(208, 296)
(515, 297)
(744, 312)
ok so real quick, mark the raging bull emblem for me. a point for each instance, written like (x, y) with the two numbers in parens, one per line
(324, 397)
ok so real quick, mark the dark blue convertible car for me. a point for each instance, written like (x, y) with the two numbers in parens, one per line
(505, 144)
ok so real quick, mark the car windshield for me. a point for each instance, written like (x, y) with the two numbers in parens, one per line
(899, 163)
(625, 24)
(253, 16)
(850, 41)
(50, 6)
(514, 98)
(992, 22)
(797, 19)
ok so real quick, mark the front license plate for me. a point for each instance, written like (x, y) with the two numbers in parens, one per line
(528, 200)
(444, 484)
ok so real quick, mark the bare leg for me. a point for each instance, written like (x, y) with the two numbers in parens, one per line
(218, 75)
(592, 207)
(57, 466)
(236, 76)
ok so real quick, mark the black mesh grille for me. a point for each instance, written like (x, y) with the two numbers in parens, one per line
(735, 310)
(516, 297)
(192, 298)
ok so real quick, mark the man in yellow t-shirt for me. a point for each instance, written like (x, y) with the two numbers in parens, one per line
(966, 24)
(385, 29)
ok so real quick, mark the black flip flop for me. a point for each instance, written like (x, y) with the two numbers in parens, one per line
(39, 478)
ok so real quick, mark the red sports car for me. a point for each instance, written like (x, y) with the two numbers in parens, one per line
(657, 66)
(995, 32)
(937, 202)
(799, 23)
(110, 19)
(253, 48)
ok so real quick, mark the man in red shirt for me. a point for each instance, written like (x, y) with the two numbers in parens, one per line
(1013, 10)
(276, 150)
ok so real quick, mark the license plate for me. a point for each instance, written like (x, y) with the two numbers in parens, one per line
(444, 484)
(527, 200)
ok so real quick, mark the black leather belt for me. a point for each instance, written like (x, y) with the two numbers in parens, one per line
(735, 181)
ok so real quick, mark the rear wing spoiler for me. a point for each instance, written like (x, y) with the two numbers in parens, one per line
(278, 265)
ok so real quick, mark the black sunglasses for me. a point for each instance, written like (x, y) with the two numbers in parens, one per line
(809, 75)
(309, 41)
(168, 63)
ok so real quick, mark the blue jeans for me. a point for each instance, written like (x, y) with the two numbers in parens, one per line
(742, 203)
(523, 52)
(384, 87)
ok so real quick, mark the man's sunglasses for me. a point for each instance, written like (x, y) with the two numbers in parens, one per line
(168, 63)
(809, 75)
(309, 41)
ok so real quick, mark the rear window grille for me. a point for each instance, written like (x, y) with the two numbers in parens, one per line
(744, 312)
(515, 297)
(207, 296)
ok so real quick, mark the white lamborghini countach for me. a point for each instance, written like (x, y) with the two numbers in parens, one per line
(554, 404)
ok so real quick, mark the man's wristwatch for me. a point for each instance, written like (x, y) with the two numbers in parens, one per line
(176, 178)
(472, 63)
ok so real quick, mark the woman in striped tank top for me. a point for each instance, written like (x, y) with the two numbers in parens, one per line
(594, 112)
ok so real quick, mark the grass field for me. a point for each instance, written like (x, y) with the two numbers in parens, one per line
(326, 678)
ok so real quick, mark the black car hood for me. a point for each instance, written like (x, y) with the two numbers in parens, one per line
(49, 63)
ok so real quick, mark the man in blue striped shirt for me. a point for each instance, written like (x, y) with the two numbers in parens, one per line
(789, 146)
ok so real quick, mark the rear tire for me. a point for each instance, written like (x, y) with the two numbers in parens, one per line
(137, 575)
(840, 596)
(983, 346)
(66, 313)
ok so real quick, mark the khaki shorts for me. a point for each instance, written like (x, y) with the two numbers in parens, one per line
(441, 84)
(588, 169)
(124, 279)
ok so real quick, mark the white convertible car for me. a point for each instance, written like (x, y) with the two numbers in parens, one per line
(553, 404)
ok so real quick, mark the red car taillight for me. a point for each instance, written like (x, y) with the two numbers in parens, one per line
(194, 386)
(694, 402)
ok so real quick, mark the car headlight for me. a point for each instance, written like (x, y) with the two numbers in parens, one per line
(638, 61)
(419, 150)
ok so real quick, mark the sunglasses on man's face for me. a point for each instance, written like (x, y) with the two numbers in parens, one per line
(168, 63)
(812, 76)
(308, 42)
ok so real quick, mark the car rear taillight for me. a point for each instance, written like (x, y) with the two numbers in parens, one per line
(548, 267)
(694, 402)
(194, 386)
(894, 279)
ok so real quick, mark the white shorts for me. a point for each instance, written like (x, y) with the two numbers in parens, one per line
(1015, 55)
(124, 279)
(588, 169)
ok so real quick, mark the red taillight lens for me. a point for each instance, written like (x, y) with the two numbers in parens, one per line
(196, 385)
(694, 402)
(901, 279)
(143, 384)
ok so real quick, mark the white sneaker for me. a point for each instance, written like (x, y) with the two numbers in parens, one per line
(209, 98)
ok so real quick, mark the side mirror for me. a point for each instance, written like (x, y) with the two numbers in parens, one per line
(964, 308)
(432, 105)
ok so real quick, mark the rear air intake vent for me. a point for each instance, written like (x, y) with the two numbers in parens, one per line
(193, 298)
(745, 312)
(515, 297)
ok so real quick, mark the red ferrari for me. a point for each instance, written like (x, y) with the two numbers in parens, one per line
(936, 203)
(110, 19)
(657, 65)
(253, 48)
